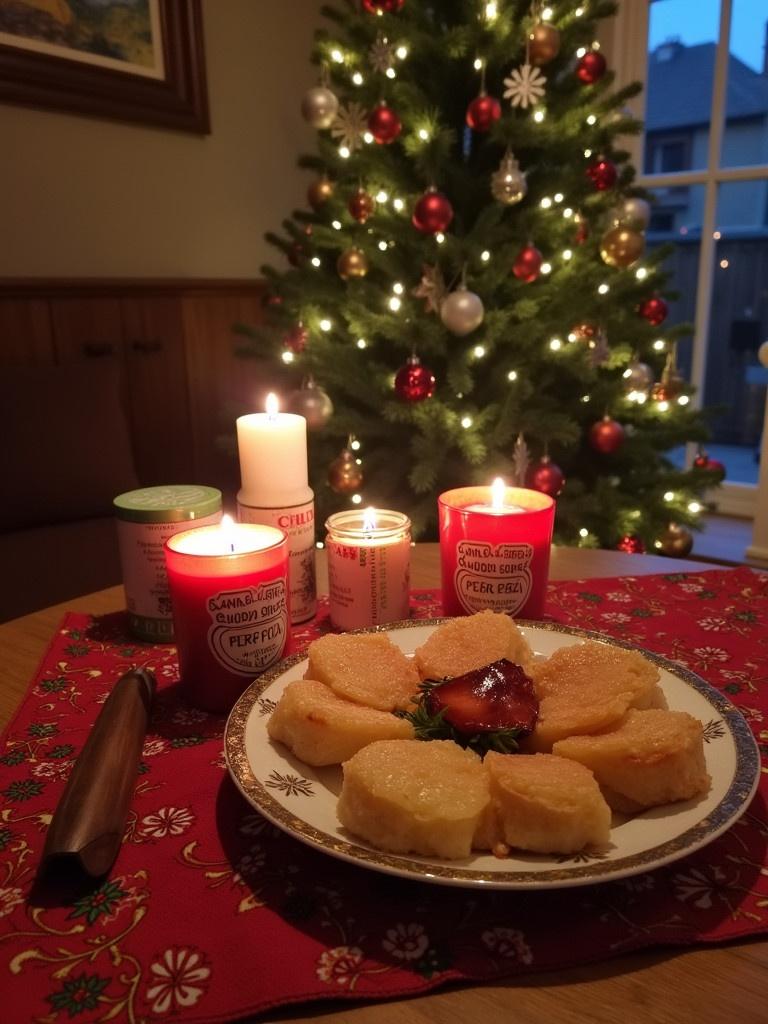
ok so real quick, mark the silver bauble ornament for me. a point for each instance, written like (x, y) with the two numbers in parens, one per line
(319, 107)
(508, 184)
(462, 311)
(633, 212)
(638, 378)
(312, 403)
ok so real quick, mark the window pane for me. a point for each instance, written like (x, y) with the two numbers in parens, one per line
(682, 41)
(745, 135)
(676, 218)
(738, 326)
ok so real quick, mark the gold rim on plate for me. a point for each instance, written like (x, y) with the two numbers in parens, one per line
(736, 790)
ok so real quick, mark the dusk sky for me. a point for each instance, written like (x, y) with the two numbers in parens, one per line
(696, 21)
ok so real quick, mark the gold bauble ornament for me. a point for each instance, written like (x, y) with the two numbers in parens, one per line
(344, 474)
(352, 263)
(543, 43)
(621, 246)
(675, 542)
(319, 192)
(671, 384)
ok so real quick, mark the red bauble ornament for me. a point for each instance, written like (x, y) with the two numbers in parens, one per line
(383, 6)
(361, 205)
(703, 461)
(602, 174)
(606, 436)
(654, 310)
(631, 544)
(414, 382)
(591, 67)
(546, 477)
(432, 213)
(582, 230)
(527, 266)
(482, 112)
(297, 254)
(384, 124)
(296, 339)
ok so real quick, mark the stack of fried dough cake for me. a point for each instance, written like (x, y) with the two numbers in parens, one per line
(604, 740)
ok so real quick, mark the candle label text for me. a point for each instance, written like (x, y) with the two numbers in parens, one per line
(497, 577)
(298, 523)
(249, 626)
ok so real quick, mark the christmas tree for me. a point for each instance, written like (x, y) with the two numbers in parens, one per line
(468, 293)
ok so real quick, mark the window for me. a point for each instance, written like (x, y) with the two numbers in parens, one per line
(704, 154)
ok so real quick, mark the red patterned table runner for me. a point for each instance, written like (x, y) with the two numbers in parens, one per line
(211, 913)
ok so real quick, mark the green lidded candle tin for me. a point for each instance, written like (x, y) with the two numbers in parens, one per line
(146, 518)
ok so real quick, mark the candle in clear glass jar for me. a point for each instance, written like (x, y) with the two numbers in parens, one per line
(494, 549)
(229, 594)
(369, 558)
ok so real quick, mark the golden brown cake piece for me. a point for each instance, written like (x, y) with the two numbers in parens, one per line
(653, 757)
(366, 668)
(407, 796)
(540, 803)
(469, 642)
(587, 688)
(321, 728)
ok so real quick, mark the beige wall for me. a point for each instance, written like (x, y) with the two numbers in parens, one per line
(84, 197)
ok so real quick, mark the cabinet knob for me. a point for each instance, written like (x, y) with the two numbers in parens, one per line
(147, 347)
(98, 349)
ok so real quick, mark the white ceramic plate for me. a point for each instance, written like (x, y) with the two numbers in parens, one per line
(301, 800)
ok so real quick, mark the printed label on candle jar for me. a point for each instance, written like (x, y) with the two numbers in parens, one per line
(298, 522)
(497, 577)
(250, 626)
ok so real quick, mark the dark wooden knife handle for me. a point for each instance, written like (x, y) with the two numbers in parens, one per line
(89, 822)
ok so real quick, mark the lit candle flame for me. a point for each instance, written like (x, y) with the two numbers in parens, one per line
(228, 532)
(272, 405)
(369, 519)
(498, 490)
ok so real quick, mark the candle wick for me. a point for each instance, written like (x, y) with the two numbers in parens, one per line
(232, 547)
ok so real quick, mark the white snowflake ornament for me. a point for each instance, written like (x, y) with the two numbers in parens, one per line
(525, 86)
(350, 125)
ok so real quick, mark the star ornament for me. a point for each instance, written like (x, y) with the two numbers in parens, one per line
(525, 86)
(431, 288)
(382, 55)
(350, 125)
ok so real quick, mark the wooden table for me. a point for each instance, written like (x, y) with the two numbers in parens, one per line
(697, 986)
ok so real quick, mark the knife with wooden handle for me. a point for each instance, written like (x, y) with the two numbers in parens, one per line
(89, 822)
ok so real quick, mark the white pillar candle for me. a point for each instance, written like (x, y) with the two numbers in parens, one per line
(272, 447)
(369, 555)
(275, 491)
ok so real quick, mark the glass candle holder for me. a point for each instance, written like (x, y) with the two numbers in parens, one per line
(369, 560)
(229, 594)
(494, 550)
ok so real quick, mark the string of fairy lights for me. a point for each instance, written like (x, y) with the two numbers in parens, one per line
(352, 127)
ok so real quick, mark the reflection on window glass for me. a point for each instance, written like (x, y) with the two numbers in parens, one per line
(735, 379)
(682, 41)
(745, 136)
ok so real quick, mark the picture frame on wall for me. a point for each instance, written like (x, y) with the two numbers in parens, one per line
(139, 61)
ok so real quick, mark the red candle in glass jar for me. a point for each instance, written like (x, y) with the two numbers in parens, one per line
(229, 593)
(494, 549)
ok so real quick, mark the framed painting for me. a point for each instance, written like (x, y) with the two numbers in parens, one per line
(127, 60)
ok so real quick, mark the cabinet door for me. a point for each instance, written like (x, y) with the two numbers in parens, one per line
(222, 384)
(87, 328)
(25, 333)
(156, 375)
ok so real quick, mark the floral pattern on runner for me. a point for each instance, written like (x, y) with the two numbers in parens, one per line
(211, 913)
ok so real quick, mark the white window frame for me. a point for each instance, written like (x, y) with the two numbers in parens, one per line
(625, 42)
